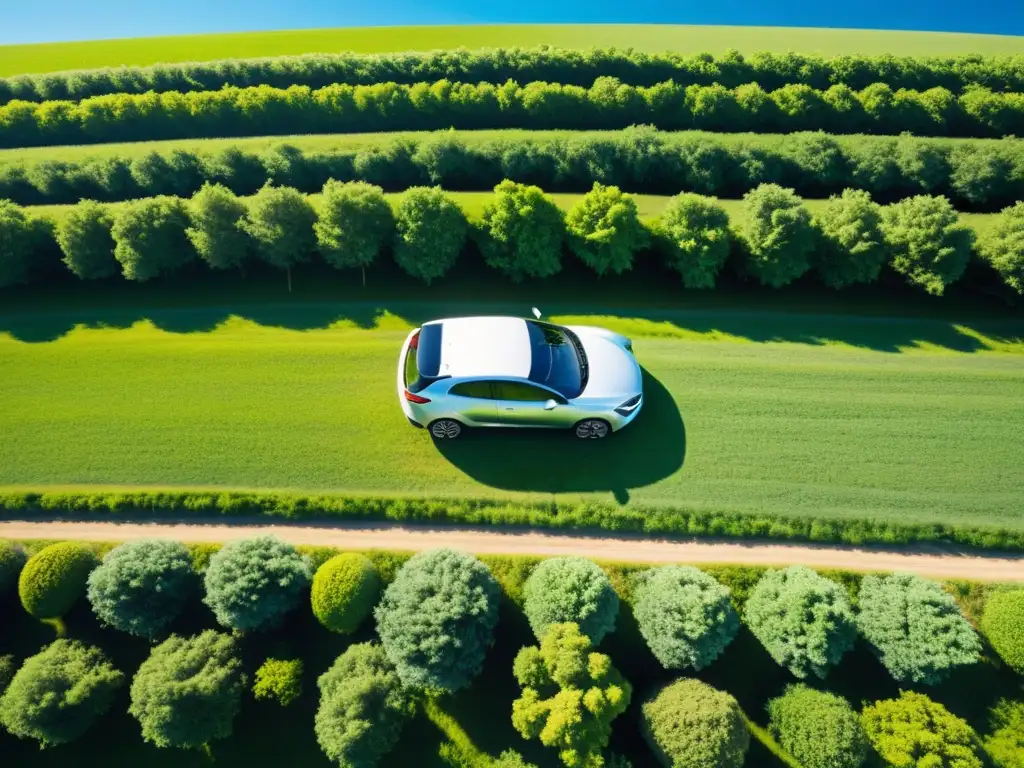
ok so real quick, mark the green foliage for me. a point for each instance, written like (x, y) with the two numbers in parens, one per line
(354, 223)
(1005, 743)
(1003, 625)
(345, 590)
(570, 696)
(779, 235)
(916, 732)
(85, 240)
(689, 724)
(929, 245)
(819, 729)
(15, 244)
(363, 707)
(570, 589)
(279, 680)
(1003, 246)
(8, 667)
(695, 238)
(189, 690)
(12, 560)
(685, 616)
(59, 693)
(522, 232)
(54, 578)
(437, 618)
(915, 627)
(430, 233)
(604, 230)
(142, 586)
(802, 619)
(216, 214)
(149, 237)
(851, 248)
(280, 222)
(252, 583)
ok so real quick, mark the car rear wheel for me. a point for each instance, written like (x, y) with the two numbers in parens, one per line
(593, 429)
(445, 429)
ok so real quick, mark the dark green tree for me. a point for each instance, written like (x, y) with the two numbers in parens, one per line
(695, 238)
(522, 232)
(149, 237)
(819, 729)
(215, 232)
(604, 230)
(851, 249)
(928, 243)
(354, 223)
(430, 233)
(570, 589)
(85, 240)
(778, 233)
(280, 222)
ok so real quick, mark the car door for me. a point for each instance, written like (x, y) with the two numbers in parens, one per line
(475, 402)
(521, 404)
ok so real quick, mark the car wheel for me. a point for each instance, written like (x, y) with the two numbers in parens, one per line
(445, 429)
(592, 429)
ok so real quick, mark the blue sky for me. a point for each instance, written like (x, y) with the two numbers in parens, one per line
(24, 21)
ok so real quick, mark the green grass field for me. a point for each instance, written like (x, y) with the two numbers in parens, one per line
(53, 57)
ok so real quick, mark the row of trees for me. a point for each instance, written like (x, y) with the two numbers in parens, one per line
(981, 175)
(572, 67)
(607, 103)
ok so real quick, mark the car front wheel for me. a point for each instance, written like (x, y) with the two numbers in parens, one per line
(445, 429)
(592, 429)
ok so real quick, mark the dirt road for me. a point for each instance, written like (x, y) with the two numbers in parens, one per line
(933, 561)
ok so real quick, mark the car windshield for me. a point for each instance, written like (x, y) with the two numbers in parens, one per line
(556, 359)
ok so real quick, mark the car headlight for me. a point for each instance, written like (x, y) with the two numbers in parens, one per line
(626, 408)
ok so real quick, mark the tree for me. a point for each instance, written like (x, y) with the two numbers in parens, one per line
(1003, 246)
(685, 616)
(851, 249)
(363, 707)
(345, 590)
(802, 619)
(1003, 625)
(915, 627)
(915, 731)
(216, 234)
(54, 578)
(280, 222)
(12, 560)
(437, 618)
(694, 233)
(819, 729)
(142, 586)
(84, 237)
(189, 690)
(59, 693)
(253, 583)
(689, 724)
(430, 233)
(15, 244)
(149, 237)
(354, 223)
(929, 244)
(604, 230)
(523, 232)
(1005, 742)
(8, 667)
(779, 235)
(279, 680)
(570, 589)
(570, 696)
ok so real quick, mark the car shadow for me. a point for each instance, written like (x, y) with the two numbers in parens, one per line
(537, 460)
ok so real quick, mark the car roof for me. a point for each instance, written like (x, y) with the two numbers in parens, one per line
(484, 346)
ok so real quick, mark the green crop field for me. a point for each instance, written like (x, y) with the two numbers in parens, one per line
(54, 57)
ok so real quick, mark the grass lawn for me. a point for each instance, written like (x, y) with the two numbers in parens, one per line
(53, 57)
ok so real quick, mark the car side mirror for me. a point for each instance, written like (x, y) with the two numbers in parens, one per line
(536, 313)
(550, 405)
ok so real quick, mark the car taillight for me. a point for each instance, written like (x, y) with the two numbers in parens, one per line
(414, 342)
(416, 398)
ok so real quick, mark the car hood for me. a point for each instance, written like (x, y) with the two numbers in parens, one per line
(614, 371)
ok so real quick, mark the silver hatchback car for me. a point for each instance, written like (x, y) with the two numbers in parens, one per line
(515, 372)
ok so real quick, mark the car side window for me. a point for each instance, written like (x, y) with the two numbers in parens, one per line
(522, 392)
(478, 389)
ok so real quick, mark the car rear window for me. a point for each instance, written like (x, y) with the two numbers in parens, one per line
(423, 363)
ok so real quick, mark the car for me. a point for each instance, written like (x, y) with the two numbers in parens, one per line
(518, 372)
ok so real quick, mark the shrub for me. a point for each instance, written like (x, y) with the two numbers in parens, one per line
(570, 589)
(363, 707)
(1003, 625)
(12, 560)
(818, 728)
(345, 590)
(604, 230)
(1003, 246)
(929, 245)
(913, 730)
(695, 238)
(253, 583)
(430, 233)
(216, 214)
(280, 222)
(54, 578)
(570, 695)
(8, 667)
(437, 618)
(189, 690)
(685, 616)
(59, 693)
(915, 627)
(689, 724)
(1005, 743)
(15, 244)
(85, 240)
(279, 680)
(149, 237)
(142, 586)
(802, 619)
(523, 231)
(354, 223)
(852, 249)
(778, 233)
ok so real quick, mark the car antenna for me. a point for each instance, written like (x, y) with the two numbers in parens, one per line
(536, 313)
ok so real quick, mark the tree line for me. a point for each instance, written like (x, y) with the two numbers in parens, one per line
(607, 103)
(571, 67)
